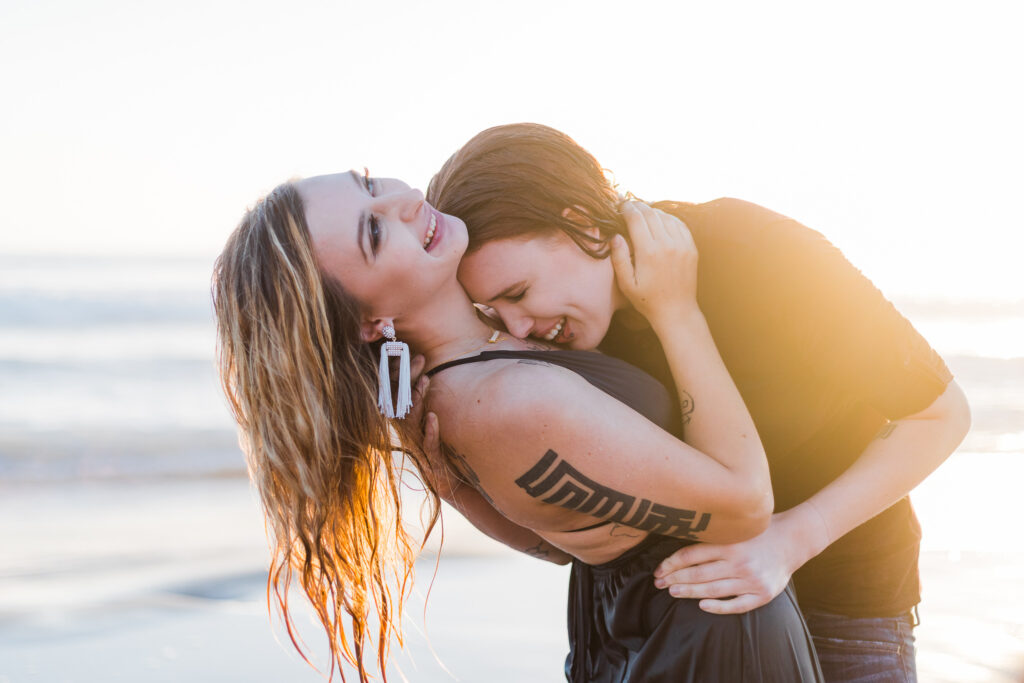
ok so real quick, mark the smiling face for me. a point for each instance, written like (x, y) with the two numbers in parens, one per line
(381, 240)
(545, 287)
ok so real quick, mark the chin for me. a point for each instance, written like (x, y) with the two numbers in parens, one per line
(458, 235)
(583, 342)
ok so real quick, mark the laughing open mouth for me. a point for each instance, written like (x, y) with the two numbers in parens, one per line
(554, 331)
(430, 231)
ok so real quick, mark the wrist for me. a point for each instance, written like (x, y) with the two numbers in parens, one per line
(805, 532)
(677, 319)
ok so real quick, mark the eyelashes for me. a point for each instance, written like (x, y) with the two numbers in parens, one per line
(368, 182)
(374, 222)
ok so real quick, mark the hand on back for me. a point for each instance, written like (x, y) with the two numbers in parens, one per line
(445, 482)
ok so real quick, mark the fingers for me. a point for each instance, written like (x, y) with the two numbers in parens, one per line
(644, 226)
(642, 233)
(432, 437)
(622, 263)
(737, 605)
(674, 229)
(700, 573)
(726, 588)
(416, 367)
(663, 229)
(656, 222)
(690, 555)
(419, 388)
(639, 221)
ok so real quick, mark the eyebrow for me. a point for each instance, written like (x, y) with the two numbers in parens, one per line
(504, 292)
(361, 231)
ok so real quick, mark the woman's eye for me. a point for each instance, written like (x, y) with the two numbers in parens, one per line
(371, 187)
(374, 233)
(515, 298)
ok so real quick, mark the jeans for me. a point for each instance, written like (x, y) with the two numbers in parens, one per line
(864, 650)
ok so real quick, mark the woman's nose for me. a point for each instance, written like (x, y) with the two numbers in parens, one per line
(405, 204)
(517, 324)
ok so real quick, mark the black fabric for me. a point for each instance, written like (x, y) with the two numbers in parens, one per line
(822, 360)
(615, 377)
(624, 630)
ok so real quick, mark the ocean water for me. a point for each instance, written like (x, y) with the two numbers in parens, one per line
(107, 369)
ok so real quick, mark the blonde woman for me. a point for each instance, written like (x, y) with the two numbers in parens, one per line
(546, 449)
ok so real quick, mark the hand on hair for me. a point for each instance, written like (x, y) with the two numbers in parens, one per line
(660, 279)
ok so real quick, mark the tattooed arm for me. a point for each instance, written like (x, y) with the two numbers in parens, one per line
(472, 501)
(458, 485)
(473, 505)
(555, 454)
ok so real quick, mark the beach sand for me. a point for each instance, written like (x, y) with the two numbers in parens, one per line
(164, 581)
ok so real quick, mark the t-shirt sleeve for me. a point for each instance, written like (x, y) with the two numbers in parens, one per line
(842, 326)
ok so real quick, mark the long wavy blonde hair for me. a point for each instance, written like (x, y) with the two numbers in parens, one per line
(302, 385)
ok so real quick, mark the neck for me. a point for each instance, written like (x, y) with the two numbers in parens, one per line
(446, 327)
(625, 313)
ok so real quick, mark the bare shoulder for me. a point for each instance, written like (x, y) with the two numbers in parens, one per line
(486, 399)
(552, 452)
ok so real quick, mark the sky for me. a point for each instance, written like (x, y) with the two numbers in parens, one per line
(894, 128)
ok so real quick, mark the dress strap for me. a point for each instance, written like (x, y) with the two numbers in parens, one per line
(489, 355)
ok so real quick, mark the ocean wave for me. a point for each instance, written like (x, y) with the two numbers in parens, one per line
(140, 342)
(30, 456)
(46, 309)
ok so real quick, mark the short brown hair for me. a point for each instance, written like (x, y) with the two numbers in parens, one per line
(517, 180)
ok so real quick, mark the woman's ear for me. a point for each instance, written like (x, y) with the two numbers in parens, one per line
(372, 330)
(575, 215)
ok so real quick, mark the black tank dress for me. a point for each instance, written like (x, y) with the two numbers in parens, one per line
(624, 630)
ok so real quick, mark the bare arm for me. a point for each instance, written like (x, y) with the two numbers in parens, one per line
(462, 492)
(571, 455)
(661, 283)
(898, 459)
(474, 507)
(740, 577)
(886, 364)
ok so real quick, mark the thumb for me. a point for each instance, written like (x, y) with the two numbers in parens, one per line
(431, 435)
(622, 262)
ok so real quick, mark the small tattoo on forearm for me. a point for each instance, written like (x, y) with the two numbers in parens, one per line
(555, 481)
(620, 530)
(686, 406)
(540, 551)
(886, 431)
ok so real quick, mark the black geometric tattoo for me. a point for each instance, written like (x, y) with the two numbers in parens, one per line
(461, 466)
(567, 487)
(886, 431)
(686, 406)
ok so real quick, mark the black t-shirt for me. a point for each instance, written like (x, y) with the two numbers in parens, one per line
(822, 360)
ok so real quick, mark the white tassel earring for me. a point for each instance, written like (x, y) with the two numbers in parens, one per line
(400, 349)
